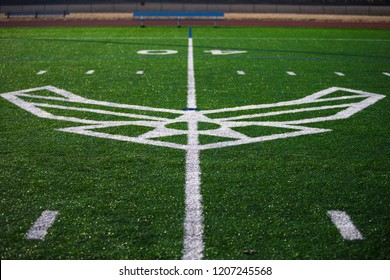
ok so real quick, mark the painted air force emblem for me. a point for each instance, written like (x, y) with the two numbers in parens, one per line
(226, 126)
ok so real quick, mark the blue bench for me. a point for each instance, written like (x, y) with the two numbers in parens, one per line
(37, 13)
(142, 16)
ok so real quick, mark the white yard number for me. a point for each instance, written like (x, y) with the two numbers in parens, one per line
(157, 52)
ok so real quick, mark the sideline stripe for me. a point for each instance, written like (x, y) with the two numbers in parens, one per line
(240, 72)
(90, 72)
(344, 224)
(40, 227)
(193, 224)
(291, 73)
(386, 74)
(41, 72)
(339, 74)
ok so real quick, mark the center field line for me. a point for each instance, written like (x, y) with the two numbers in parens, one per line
(193, 224)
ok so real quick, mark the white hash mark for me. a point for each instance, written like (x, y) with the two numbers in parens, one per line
(344, 224)
(41, 225)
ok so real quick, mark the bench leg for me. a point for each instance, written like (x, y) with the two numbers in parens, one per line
(178, 22)
(142, 22)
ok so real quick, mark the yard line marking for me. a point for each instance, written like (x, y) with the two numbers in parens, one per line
(193, 224)
(240, 72)
(344, 224)
(339, 74)
(291, 73)
(386, 74)
(41, 225)
(191, 99)
(41, 72)
(90, 72)
(139, 72)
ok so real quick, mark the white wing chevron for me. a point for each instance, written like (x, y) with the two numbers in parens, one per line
(229, 126)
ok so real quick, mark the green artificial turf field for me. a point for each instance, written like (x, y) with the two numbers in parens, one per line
(266, 194)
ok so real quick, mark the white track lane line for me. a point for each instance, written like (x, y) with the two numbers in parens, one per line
(42, 224)
(344, 224)
(193, 224)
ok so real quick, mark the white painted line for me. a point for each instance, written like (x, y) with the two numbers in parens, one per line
(240, 72)
(90, 72)
(40, 227)
(339, 74)
(386, 74)
(139, 72)
(41, 72)
(191, 99)
(193, 224)
(291, 73)
(344, 224)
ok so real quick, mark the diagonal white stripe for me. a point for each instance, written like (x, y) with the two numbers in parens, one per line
(344, 224)
(40, 227)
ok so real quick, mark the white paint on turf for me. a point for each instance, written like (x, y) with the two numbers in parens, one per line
(244, 116)
(157, 52)
(339, 74)
(290, 73)
(90, 72)
(193, 223)
(344, 224)
(240, 72)
(41, 225)
(139, 72)
(386, 74)
(41, 72)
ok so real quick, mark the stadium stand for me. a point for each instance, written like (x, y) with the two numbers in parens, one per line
(37, 13)
(360, 7)
(214, 16)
